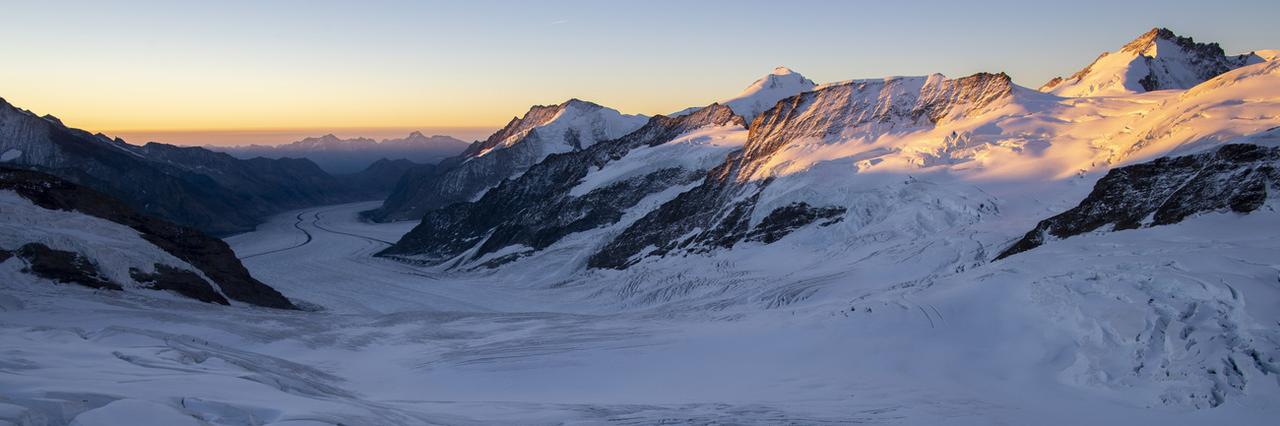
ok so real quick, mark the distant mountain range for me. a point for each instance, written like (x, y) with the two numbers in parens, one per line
(192, 186)
(342, 156)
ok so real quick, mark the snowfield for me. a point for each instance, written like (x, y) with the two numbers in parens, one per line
(1113, 328)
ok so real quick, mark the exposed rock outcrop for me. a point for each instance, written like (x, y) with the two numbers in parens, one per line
(63, 266)
(181, 281)
(1235, 177)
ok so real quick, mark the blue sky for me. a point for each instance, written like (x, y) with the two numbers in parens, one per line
(316, 64)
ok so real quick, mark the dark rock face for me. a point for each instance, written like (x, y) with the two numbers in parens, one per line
(784, 220)
(1166, 191)
(63, 267)
(269, 185)
(192, 186)
(536, 208)
(381, 177)
(210, 255)
(1207, 60)
(181, 281)
(717, 214)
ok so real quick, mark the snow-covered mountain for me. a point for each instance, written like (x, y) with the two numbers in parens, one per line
(571, 126)
(576, 191)
(839, 154)
(835, 190)
(342, 156)
(1157, 60)
(731, 205)
(763, 93)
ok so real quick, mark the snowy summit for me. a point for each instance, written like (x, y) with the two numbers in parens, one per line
(1156, 60)
(764, 93)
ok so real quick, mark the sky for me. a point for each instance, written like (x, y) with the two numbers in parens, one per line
(231, 72)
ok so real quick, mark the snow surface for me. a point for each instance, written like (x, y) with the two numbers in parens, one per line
(700, 149)
(586, 122)
(1045, 337)
(113, 248)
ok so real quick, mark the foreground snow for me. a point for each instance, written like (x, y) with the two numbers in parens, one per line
(1048, 336)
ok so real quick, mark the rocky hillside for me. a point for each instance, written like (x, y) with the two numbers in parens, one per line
(380, 178)
(67, 233)
(726, 208)
(211, 191)
(1237, 178)
(762, 94)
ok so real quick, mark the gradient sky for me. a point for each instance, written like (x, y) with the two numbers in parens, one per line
(213, 69)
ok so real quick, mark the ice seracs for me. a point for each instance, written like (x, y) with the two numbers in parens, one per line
(1157, 60)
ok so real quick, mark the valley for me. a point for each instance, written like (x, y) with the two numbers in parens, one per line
(931, 249)
(391, 347)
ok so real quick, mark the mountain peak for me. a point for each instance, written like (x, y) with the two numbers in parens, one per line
(764, 93)
(1157, 60)
(579, 103)
(1148, 44)
(575, 114)
(1150, 37)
